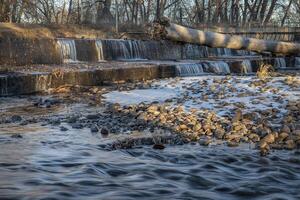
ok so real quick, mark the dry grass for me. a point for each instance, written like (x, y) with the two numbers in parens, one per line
(52, 31)
(264, 71)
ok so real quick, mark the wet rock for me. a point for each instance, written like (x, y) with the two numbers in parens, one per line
(159, 146)
(269, 139)
(63, 129)
(286, 129)
(232, 144)
(290, 145)
(104, 131)
(205, 141)
(55, 122)
(238, 116)
(17, 136)
(16, 118)
(77, 126)
(94, 129)
(93, 116)
(254, 137)
(283, 136)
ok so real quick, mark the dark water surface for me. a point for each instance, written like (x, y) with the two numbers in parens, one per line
(49, 164)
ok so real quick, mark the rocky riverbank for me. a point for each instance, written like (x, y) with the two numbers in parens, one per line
(205, 110)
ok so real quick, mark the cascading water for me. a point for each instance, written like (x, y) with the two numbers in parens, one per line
(126, 49)
(219, 67)
(3, 85)
(280, 63)
(297, 62)
(99, 47)
(246, 67)
(189, 69)
(67, 49)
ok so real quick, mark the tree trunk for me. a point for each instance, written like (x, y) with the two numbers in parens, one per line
(171, 31)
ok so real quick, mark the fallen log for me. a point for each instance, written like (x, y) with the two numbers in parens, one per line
(164, 29)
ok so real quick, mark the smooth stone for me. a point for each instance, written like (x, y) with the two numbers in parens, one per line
(104, 131)
(77, 126)
(16, 118)
(63, 129)
(94, 129)
(158, 146)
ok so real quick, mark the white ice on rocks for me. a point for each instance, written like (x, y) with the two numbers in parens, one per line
(254, 98)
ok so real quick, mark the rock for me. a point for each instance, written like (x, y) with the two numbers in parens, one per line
(283, 136)
(94, 129)
(290, 145)
(269, 139)
(63, 129)
(286, 129)
(16, 118)
(232, 144)
(254, 137)
(104, 131)
(238, 116)
(77, 126)
(205, 141)
(264, 150)
(55, 122)
(158, 146)
(16, 135)
(92, 116)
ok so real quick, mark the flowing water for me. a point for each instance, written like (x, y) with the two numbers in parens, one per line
(67, 49)
(125, 49)
(297, 61)
(99, 47)
(280, 63)
(246, 67)
(39, 161)
(189, 69)
(219, 67)
(3, 85)
(49, 164)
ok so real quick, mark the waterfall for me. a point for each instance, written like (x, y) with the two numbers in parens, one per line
(280, 63)
(126, 49)
(67, 49)
(189, 69)
(297, 61)
(3, 85)
(195, 52)
(219, 67)
(99, 48)
(246, 67)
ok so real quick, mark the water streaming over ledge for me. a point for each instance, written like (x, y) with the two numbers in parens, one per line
(219, 67)
(3, 85)
(189, 69)
(99, 48)
(247, 67)
(67, 49)
(280, 63)
(124, 49)
(297, 62)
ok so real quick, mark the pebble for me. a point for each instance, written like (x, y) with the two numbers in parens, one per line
(63, 129)
(94, 129)
(104, 131)
(159, 146)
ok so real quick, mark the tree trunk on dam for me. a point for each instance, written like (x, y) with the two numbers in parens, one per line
(166, 30)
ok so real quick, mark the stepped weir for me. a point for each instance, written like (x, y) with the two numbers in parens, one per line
(92, 61)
